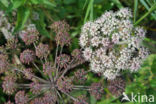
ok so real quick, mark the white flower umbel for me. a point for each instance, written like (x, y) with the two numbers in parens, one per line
(112, 44)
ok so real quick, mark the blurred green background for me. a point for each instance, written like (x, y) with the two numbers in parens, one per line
(76, 12)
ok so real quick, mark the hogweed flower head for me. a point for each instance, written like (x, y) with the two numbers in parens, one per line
(111, 43)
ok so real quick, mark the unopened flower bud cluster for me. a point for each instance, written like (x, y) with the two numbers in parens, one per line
(112, 43)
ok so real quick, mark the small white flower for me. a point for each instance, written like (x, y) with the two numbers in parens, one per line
(95, 41)
(96, 67)
(83, 40)
(135, 65)
(124, 13)
(107, 62)
(110, 74)
(115, 38)
(94, 29)
(100, 52)
(87, 53)
(140, 32)
(105, 42)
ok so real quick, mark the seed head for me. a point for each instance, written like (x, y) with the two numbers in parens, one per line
(30, 35)
(61, 29)
(117, 86)
(9, 85)
(28, 73)
(27, 56)
(63, 60)
(35, 88)
(48, 68)
(50, 98)
(42, 50)
(80, 75)
(64, 84)
(96, 89)
(21, 98)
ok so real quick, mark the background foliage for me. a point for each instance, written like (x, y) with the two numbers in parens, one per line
(76, 13)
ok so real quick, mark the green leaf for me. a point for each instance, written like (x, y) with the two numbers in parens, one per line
(89, 10)
(146, 14)
(153, 83)
(15, 4)
(22, 17)
(2, 6)
(76, 93)
(117, 3)
(153, 67)
(69, 1)
(92, 100)
(48, 3)
(5, 2)
(143, 2)
(34, 1)
(41, 26)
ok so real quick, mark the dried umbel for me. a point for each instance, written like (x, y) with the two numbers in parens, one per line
(65, 84)
(35, 88)
(63, 60)
(112, 44)
(29, 35)
(117, 86)
(9, 85)
(80, 75)
(61, 28)
(35, 78)
(48, 68)
(27, 56)
(42, 50)
(21, 98)
(96, 90)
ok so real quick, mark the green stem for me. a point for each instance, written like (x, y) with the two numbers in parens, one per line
(135, 9)
(145, 15)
